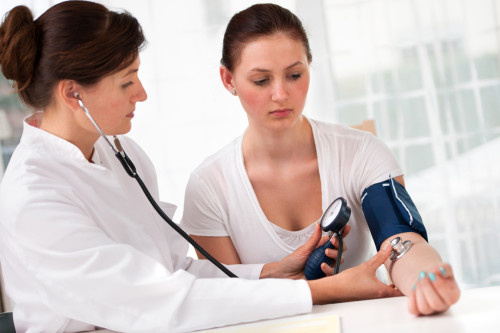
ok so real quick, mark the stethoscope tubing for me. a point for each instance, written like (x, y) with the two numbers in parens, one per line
(180, 231)
(129, 167)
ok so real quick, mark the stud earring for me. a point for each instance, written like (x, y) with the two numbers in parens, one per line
(233, 92)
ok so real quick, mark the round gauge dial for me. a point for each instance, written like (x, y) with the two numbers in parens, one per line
(336, 216)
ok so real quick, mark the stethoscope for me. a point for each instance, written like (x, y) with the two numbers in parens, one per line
(129, 167)
(333, 220)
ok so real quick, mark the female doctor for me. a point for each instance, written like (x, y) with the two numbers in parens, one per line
(80, 246)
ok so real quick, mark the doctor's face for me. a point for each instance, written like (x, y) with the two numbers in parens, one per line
(271, 79)
(111, 102)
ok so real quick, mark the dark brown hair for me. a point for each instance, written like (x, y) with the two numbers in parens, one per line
(257, 21)
(75, 40)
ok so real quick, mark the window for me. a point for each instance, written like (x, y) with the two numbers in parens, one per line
(428, 72)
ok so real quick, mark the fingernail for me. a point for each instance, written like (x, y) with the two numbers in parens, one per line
(386, 246)
(432, 277)
(442, 270)
(421, 275)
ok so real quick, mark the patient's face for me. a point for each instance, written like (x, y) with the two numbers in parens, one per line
(272, 80)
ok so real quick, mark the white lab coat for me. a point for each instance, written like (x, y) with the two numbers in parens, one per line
(81, 247)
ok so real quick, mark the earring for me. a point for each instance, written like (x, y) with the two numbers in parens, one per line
(233, 92)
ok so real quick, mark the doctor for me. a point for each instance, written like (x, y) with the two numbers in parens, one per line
(80, 246)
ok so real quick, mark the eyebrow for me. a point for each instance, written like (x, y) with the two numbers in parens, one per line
(133, 70)
(266, 70)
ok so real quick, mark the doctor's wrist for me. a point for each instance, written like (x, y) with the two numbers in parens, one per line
(270, 271)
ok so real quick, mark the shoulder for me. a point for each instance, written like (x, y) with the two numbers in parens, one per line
(217, 174)
(338, 136)
(337, 130)
(222, 161)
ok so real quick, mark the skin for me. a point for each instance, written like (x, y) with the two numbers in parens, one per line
(111, 102)
(271, 79)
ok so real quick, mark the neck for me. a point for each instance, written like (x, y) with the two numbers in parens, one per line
(282, 146)
(64, 125)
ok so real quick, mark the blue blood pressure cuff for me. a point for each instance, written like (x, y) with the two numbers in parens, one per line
(389, 210)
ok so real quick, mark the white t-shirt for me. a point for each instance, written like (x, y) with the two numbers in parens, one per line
(220, 200)
(81, 247)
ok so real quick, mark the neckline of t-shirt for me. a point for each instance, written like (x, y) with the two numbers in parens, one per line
(268, 225)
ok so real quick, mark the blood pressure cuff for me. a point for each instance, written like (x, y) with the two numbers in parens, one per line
(389, 210)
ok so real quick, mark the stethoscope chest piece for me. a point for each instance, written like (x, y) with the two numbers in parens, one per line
(399, 248)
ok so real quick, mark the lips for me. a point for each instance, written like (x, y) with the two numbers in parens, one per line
(130, 115)
(280, 113)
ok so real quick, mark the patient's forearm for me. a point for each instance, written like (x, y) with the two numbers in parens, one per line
(421, 257)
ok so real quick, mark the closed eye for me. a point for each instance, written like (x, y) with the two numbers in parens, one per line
(126, 85)
(260, 82)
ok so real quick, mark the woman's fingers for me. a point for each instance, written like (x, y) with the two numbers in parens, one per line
(434, 292)
(335, 243)
(446, 284)
(380, 257)
(327, 269)
(346, 231)
(428, 299)
(333, 254)
(314, 241)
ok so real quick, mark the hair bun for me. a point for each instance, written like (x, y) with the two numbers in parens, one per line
(18, 46)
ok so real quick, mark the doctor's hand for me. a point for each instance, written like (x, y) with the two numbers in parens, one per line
(435, 291)
(292, 266)
(333, 253)
(356, 283)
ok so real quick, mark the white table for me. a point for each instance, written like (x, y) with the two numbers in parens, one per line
(478, 310)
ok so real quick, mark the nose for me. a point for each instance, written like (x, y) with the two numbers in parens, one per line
(140, 95)
(279, 92)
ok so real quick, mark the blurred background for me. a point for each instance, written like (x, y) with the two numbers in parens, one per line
(427, 72)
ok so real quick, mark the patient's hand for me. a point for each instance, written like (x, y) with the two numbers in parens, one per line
(435, 291)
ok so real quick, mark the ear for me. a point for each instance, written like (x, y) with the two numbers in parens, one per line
(65, 94)
(227, 78)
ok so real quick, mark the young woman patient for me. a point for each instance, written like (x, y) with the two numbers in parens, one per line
(261, 196)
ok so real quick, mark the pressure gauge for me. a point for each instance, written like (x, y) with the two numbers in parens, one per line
(333, 221)
(336, 216)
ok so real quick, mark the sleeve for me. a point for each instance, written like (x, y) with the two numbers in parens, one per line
(374, 163)
(83, 274)
(204, 213)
